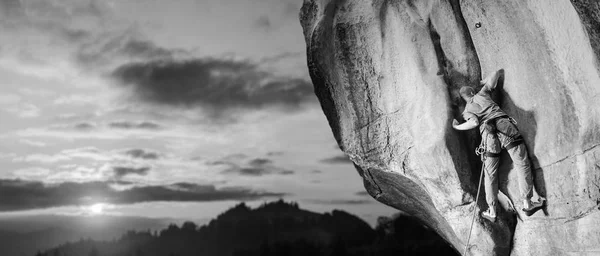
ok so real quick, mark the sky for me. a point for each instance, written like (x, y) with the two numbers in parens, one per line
(163, 109)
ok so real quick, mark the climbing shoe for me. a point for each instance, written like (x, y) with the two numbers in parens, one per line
(488, 215)
(530, 207)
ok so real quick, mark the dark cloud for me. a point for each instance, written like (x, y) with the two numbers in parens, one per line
(144, 125)
(260, 162)
(341, 201)
(341, 159)
(256, 170)
(122, 182)
(121, 171)
(263, 22)
(24, 195)
(254, 167)
(84, 126)
(141, 153)
(133, 125)
(145, 49)
(362, 193)
(275, 153)
(286, 172)
(10, 8)
(215, 84)
(251, 171)
(219, 162)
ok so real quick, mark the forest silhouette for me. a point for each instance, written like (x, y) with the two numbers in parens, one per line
(276, 228)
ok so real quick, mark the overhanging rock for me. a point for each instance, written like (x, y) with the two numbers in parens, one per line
(387, 75)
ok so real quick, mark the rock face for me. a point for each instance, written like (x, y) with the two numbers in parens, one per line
(387, 75)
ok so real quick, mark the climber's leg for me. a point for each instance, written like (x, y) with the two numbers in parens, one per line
(511, 139)
(491, 185)
(521, 161)
(491, 163)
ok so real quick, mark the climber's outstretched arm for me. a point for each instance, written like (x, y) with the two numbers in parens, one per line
(468, 125)
(490, 82)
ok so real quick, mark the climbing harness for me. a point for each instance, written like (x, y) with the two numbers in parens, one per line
(512, 133)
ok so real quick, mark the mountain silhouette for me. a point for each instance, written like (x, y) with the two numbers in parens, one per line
(276, 228)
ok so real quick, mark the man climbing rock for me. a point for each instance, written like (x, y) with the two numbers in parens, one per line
(498, 131)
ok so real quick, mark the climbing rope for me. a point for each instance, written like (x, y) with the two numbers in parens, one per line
(479, 151)
(474, 211)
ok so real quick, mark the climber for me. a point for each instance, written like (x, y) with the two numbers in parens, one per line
(498, 131)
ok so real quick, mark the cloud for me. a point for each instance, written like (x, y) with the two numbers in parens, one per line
(58, 39)
(10, 7)
(91, 153)
(74, 99)
(362, 193)
(121, 171)
(341, 201)
(84, 126)
(255, 167)
(146, 125)
(260, 161)
(24, 110)
(250, 171)
(38, 144)
(275, 153)
(286, 172)
(41, 158)
(121, 125)
(25, 195)
(128, 45)
(257, 171)
(214, 84)
(263, 22)
(341, 159)
(281, 57)
(88, 153)
(141, 154)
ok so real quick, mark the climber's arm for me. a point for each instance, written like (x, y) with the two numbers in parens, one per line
(490, 82)
(468, 125)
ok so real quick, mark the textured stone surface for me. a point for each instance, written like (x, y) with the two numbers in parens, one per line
(387, 74)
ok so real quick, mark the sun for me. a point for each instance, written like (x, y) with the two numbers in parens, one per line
(96, 209)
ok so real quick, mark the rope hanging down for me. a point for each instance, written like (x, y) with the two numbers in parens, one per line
(479, 151)
(474, 210)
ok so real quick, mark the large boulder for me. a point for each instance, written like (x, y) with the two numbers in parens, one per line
(387, 75)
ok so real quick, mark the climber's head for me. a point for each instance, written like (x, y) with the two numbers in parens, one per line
(466, 92)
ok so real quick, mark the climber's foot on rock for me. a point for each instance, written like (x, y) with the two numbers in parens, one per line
(531, 207)
(488, 215)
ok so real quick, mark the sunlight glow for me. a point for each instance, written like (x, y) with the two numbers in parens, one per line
(96, 209)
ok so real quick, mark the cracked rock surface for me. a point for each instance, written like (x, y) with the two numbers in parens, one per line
(387, 75)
